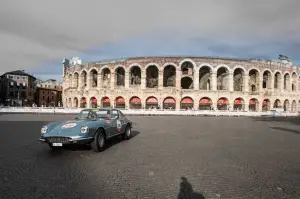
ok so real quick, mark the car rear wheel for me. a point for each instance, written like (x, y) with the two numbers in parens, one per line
(127, 133)
(99, 141)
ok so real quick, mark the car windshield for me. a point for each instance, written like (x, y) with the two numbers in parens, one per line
(83, 115)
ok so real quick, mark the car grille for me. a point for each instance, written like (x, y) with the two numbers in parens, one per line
(58, 139)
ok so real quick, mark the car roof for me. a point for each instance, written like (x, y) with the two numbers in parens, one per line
(102, 109)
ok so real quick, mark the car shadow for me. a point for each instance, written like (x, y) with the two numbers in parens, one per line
(186, 191)
(110, 143)
(286, 129)
(294, 120)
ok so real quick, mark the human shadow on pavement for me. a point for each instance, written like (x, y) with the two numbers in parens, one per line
(286, 129)
(186, 191)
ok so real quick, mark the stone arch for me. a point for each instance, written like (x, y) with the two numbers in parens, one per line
(169, 77)
(135, 103)
(205, 80)
(106, 77)
(294, 106)
(169, 103)
(93, 102)
(151, 102)
(105, 102)
(187, 103)
(120, 76)
(286, 81)
(253, 105)
(238, 79)
(152, 73)
(277, 104)
(205, 103)
(222, 103)
(277, 80)
(267, 79)
(186, 82)
(135, 75)
(266, 105)
(75, 102)
(120, 102)
(294, 81)
(83, 76)
(83, 102)
(286, 105)
(253, 80)
(222, 78)
(239, 104)
(94, 78)
(76, 79)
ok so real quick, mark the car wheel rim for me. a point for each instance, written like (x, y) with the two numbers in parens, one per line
(101, 141)
(128, 132)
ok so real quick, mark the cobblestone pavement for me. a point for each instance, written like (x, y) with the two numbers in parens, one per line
(169, 157)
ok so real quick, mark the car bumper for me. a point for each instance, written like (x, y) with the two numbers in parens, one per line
(72, 140)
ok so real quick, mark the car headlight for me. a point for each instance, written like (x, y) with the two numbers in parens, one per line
(84, 129)
(44, 130)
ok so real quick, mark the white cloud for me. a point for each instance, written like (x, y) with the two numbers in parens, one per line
(34, 31)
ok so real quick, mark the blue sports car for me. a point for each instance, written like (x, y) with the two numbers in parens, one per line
(91, 126)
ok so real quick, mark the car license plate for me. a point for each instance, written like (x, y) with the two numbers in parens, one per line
(57, 144)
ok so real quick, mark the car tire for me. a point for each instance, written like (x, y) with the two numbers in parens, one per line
(99, 141)
(127, 133)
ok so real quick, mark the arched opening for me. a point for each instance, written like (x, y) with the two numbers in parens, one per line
(93, 102)
(169, 103)
(152, 77)
(70, 80)
(169, 76)
(286, 82)
(186, 103)
(294, 106)
(151, 103)
(266, 105)
(286, 105)
(76, 80)
(222, 104)
(84, 78)
(222, 78)
(253, 80)
(238, 104)
(277, 80)
(120, 102)
(83, 102)
(205, 103)
(187, 69)
(294, 81)
(106, 78)
(135, 76)
(120, 76)
(238, 79)
(277, 104)
(253, 105)
(205, 78)
(105, 102)
(187, 83)
(266, 79)
(135, 103)
(75, 102)
(94, 78)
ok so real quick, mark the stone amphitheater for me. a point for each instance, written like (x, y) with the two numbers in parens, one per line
(198, 83)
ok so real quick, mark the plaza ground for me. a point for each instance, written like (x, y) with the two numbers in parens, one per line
(168, 157)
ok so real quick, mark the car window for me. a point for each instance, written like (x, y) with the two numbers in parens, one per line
(114, 114)
(103, 114)
(93, 115)
(122, 117)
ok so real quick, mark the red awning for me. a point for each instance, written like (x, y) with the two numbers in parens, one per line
(83, 99)
(105, 100)
(187, 100)
(120, 100)
(222, 101)
(266, 102)
(205, 101)
(135, 100)
(151, 100)
(94, 100)
(238, 101)
(169, 100)
(252, 101)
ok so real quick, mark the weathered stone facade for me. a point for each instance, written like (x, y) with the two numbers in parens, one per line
(181, 82)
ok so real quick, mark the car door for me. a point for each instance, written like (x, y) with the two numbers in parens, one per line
(114, 122)
(123, 121)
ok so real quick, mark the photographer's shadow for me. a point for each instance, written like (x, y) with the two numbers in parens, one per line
(187, 192)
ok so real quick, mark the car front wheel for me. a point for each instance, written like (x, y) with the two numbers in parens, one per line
(98, 143)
